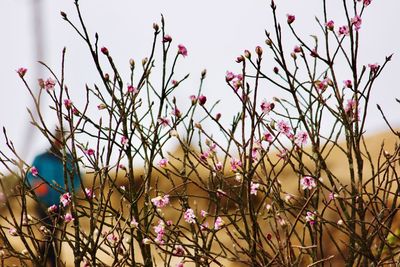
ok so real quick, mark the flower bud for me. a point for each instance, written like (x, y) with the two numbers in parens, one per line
(247, 54)
(259, 51)
(268, 42)
(106, 77)
(203, 73)
(63, 14)
(290, 18)
(104, 50)
(202, 100)
(217, 116)
(144, 61)
(156, 27)
(132, 63)
(276, 70)
(167, 38)
(239, 59)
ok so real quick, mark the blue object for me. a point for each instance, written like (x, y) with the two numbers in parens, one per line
(50, 168)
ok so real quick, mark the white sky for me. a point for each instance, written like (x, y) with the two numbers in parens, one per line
(215, 33)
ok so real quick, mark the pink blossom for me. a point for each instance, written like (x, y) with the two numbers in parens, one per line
(229, 76)
(182, 50)
(49, 84)
(254, 188)
(52, 209)
(34, 171)
(202, 100)
(203, 213)
(266, 106)
(330, 25)
(65, 199)
(331, 196)
(132, 89)
(350, 106)
(89, 152)
(174, 82)
(284, 128)
(160, 231)
(12, 231)
(204, 226)
(167, 38)
(160, 201)
(179, 251)
(68, 218)
(104, 50)
(344, 30)
(314, 53)
(122, 187)
(308, 182)
(21, 72)
(134, 223)
(124, 140)
(204, 156)
(367, 2)
(301, 138)
(218, 166)
(322, 85)
(297, 49)
(290, 18)
(180, 264)
(164, 122)
(283, 154)
(89, 193)
(311, 217)
(67, 103)
(219, 223)
(163, 163)
(267, 136)
(193, 98)
(356, 21)
(348, 83)
(373, 67)
(176, 112)
(112, 238)
(189, 216)
(235, 164)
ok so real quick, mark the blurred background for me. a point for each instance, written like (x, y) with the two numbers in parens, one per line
(214, 32)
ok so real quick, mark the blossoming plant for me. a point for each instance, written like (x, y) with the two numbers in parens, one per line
(262, 194)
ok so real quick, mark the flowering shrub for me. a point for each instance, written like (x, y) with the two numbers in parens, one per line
(216, 202)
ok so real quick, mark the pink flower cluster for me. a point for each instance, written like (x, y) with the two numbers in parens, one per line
(68, 218)
(65, 199)
(160, 201)
(311, 217)
(34, 171)
(164, 122)
(235, 164)
(163, 163)
(218, 224)
(301, 138)
(266, 106)
(308, 182)
(182, 50)
(189, 216)
(234, 79)
(21, 72)
(160, 231)
(284, 128)
(254, 188)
